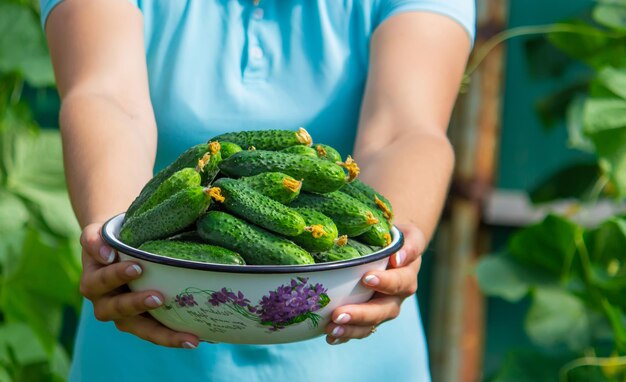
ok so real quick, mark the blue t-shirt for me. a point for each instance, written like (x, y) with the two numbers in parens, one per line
(228, 65)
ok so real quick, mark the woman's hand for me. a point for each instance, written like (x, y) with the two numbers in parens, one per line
(392, 286)
(103, 282)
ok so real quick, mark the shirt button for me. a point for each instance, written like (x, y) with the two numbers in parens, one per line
(258, 13)
(256, 53)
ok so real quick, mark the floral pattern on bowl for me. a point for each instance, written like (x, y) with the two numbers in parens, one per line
(287, 305)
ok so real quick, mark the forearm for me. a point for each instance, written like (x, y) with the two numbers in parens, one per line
(413, 172)
(108, 154)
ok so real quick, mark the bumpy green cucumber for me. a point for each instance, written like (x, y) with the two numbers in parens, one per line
(352, 217)
(369, 196)
(228, 149)
(318, 175)
(326, 152)
(336, 253)
(322, 233)
(380, 234)
(167, 218)
(257, 208)
(205, 253)
(189, 158)
(184, 178)
(275, 185)
(300, 150)
(363, 249)
(268, 139)
(208, 164)
(256, 245)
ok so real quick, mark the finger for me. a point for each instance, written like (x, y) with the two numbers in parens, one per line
(400, 282)
(126, 305)
(414, 244)
(103, 280)
(375, 311)
(347, 332)
(149, 329)
(94, 245)
(336, 341)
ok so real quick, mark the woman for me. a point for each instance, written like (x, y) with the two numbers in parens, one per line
(183, 71)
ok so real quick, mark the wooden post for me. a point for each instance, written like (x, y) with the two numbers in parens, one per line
(457, 320)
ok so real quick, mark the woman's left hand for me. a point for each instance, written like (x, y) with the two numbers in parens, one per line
(391, 287)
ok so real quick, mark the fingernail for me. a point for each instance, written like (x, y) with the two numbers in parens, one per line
(153, 301)
(371, 280)
(335, 341)
(133, 270)
(338, 331)
(342, 318)
(189, 345)
(400, 256)
(107, 254)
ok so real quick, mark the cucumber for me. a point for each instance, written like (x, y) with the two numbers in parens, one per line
(380, 234)
(352, 217)
(321, 237)
(243, 201)
(363, 249)
(275, 185)
(229, 148)
(189, 158)
(167, 218)
(336, 253)
(300, 150)
(326, 152)
(256, 245)
(193, 251)
(366, 194)
(208, 164)
(268, 139)
(317, 175)
(184, 178)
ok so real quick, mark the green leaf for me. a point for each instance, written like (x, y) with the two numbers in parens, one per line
(575, 126)
(60, 364)
(22, 45)
(4, 375)
(605, 125)
(594, 46)
(613, 79)
(504, 277)
(13, 213)
(557, 317)
(548, 245)
(23, 343)
(611, 14)
(607, 242)
(37, 288)
(573, 181)
(604, 114)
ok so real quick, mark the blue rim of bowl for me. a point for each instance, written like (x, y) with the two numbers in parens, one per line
(147, 256)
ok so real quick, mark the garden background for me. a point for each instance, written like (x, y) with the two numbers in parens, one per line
(539, 130)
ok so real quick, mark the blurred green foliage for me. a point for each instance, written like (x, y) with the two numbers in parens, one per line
(39, 248)
(573, 276)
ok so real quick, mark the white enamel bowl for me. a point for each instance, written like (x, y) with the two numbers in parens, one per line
(249, 304)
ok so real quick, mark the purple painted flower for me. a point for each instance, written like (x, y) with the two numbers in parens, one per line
(241, 300)
(185, 300)
(291, 303)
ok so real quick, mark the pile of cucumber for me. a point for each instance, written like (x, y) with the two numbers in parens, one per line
(261, 198)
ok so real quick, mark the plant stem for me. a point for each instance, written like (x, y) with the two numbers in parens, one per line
(590, 361)
(508, 34)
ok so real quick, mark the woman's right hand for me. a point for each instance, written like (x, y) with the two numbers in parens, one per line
(103, 282)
